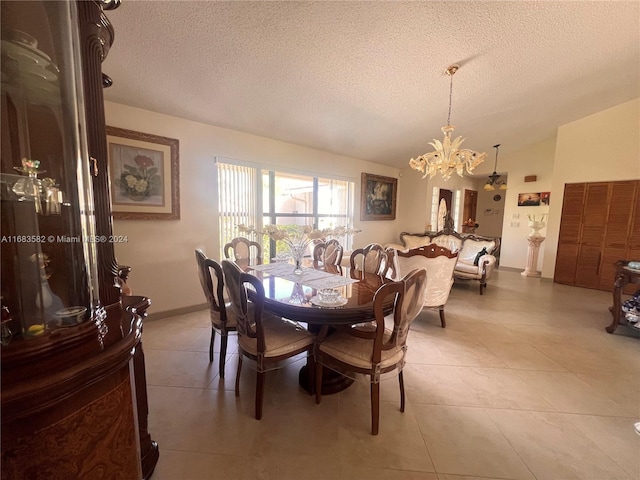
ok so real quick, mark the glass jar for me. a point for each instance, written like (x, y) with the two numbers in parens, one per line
(47, 215)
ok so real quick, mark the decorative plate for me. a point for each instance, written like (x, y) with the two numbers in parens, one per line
(319, 303)
(497, 198)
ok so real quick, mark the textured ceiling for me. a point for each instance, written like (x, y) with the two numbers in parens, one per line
(366, 79)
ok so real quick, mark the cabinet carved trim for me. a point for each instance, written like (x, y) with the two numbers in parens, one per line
(68, 447)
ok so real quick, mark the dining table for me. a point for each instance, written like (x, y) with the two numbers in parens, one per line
(296, 297)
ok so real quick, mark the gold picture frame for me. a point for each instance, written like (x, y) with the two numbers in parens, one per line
(144, 173)
(378, 197)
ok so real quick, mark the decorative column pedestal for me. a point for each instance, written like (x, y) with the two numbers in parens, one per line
(532, 256)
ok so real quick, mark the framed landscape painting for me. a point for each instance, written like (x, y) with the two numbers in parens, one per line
(378, 197)
(529, 199)
(144, 173)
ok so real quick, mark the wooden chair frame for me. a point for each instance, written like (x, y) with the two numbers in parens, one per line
(233, 244)
(216, 302)
(379, 344)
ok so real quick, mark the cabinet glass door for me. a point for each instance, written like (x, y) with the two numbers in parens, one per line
(48, 244)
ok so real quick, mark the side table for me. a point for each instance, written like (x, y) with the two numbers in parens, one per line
(624, 276)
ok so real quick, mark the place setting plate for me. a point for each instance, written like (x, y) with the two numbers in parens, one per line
(339, 302)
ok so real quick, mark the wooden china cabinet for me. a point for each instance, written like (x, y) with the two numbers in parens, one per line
(73, 383)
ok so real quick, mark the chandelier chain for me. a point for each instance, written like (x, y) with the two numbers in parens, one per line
(450, 98)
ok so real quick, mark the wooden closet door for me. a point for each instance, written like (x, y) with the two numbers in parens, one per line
(619, 222)
(600, 225)
(594, 216)
(569, 235)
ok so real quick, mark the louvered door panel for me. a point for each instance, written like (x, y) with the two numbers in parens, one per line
(572, 213)
(594, 214)
(619, 220)
(566, 262)
(633, 240)
(588, 266)
(607, 275)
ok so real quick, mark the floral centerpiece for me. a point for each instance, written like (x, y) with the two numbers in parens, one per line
(297, 237)
(140, 180)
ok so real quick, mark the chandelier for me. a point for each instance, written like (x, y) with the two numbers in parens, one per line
(494, 179)
(447, 157)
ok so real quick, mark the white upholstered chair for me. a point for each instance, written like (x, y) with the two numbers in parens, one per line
(439, 262)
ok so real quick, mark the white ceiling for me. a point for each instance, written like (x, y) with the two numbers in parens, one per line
(366, 79)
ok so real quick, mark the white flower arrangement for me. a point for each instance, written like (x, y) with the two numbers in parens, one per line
(297, 236)
(532, 218)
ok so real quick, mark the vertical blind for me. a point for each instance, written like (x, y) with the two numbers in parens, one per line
(237, 200)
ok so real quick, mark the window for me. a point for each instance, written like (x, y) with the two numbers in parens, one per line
(280, 198)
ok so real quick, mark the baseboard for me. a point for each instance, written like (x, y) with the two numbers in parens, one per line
(177, 311)
(519, 270)
(509, 269)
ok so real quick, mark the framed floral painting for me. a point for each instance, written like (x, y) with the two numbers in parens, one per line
(144, 173)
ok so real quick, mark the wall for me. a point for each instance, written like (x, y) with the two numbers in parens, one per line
(162, 252)
(416, 192)
(538, 160)
(601, 147)
(490, 213)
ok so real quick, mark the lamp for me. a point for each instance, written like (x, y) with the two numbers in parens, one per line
(494, 179)
(447, 157)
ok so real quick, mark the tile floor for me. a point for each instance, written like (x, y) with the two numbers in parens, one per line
(524, 383)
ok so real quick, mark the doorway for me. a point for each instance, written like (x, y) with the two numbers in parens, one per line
(469, 210)
(445, 198)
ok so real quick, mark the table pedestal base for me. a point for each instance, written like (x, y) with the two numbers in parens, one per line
(332, 382)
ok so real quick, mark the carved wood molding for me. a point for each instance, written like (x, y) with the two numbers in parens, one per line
(95, 441)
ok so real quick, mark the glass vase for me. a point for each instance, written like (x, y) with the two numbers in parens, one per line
(297, 253)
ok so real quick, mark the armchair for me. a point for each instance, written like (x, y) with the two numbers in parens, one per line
(439, 262)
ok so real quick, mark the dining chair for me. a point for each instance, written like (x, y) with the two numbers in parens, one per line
(223, 319)
(262, 337)
(329, 252)
(439, 262)
(392, 262)
(370, 259)
(374, 353)
(241, 248)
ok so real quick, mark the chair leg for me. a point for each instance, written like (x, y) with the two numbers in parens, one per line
(223, 352)
(481, 286)
(375, 408)
(318, 381)
(213, 335)
(443, 322)
(401, 383)
(238, 374)
(259, 394)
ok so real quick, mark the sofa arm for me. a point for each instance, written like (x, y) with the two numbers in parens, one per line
(487, 263)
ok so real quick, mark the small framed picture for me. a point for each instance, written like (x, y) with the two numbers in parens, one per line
(544, 198)
(378, 197)
(144, 173)
(529, 199)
